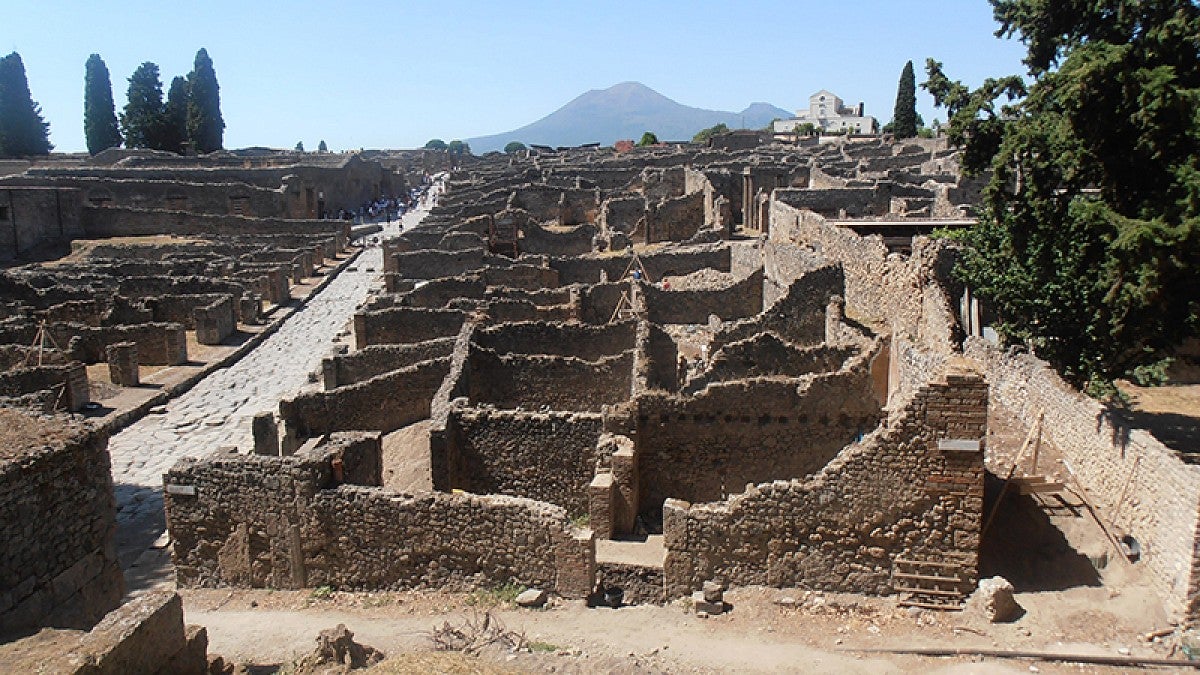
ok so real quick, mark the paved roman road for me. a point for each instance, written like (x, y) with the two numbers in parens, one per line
(218, 411)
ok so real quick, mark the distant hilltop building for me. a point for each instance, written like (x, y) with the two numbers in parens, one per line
(827, 113)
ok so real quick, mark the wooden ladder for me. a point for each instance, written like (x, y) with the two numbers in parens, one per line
(930, 584)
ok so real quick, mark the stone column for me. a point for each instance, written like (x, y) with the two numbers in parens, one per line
(123, 363)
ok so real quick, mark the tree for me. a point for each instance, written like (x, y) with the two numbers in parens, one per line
(704, 135)
(175, 132)
(458, 148)
(299, 146)
(514, 147)
(206, 127)
(648, 138)
(321, 147)
(99, 112)
(904, 116)
(143, 119)
(435, 144)
(1088, 240)
(23, 132)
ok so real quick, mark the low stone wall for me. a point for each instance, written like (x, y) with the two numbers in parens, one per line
(362, 365)
(434, 264)
(896, 494)
(575, 241)
(404, 325)
(798, 317)
(1139, 486)
(158, 344)
(438, 292)
(586, 269)
(382, 403)
(588, 342)
(284, 522)
(534, 382)
(59, 564)
(676, 219)
(550, 457)
(68, 382)
(216, 321)
(766, 355)
(740, 300)
(108, 222)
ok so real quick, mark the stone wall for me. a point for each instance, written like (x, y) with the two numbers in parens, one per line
(897, 494)
(707, 446)
(362, 365)
(586, 269)
(108, 222)
(850, 202)
(676, 219)
(433, 264)
(739, 300)
(68, 382)
(403, 325)
(58, 566)
(550, 457)
(766, 355)
(158, 344)
(587, 342)
(1138, 485)
(535, 382)
(284, 522)
(798, 317)
(382, 403)
(33, 216)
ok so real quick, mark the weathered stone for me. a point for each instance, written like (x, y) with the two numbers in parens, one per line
(533, 597)
(994, 600)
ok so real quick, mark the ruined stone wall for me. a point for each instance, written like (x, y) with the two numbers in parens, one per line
(216, 321)
(362, 365)
(766, 355)
(107, 222)
(1138, 485)
(707, 446)
(657, 360)
(739, 300)
(894, 495)
(158, 343)
(586, 269)
(438, 292)
(797, 317)
(528, 277)
(68, 382)
(676, 219)
(34, 216)
(375, 539)
(434, 264)
(582, 341)
(539, 240)
(550, 457)
(58, 566)
(850, 202)
(912, 296)
(402, 325)
(383, 403)
(551, 382)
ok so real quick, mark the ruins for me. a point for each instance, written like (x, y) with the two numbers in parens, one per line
(582, 369)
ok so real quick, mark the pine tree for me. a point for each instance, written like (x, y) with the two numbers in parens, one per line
(206, 128)
(321, 147)
(299, 146)
(99, 111)
(904, 117)
(143, 119)
(174, 133)
(22, 130)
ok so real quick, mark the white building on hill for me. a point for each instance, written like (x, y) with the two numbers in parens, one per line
(827, 112)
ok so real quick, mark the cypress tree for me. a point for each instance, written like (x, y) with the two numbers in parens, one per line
(904, 117)
(175, 116)
(321, 147)
(22, 130)
(142, 121)
(205, 126)
(99, 111)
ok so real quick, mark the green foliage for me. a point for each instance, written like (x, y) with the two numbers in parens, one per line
(504, 594)
(581, 521)
(143, 119)
(321, 147)
(538, 646)
(648, 138)
(99, 112)
(1152, 374)
(299, 146)
(436, 144)
(514, 147)
(1088, 242)
(175, 116)
(704, 135)
(904, 115)
(205, 126)
(23, 132)
(458, 148)
(321, 593)
(806, 129)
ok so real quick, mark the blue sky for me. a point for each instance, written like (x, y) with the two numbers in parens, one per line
(395, 74)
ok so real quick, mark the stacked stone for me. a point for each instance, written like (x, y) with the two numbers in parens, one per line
(123, 364)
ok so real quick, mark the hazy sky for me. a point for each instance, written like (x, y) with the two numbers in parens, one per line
(395, 74)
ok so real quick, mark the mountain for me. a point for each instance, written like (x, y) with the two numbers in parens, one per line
(625, 110)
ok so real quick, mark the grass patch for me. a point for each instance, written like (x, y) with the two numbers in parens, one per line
(321, 593)
(581, 521)
(543, 647)
(504, 594)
